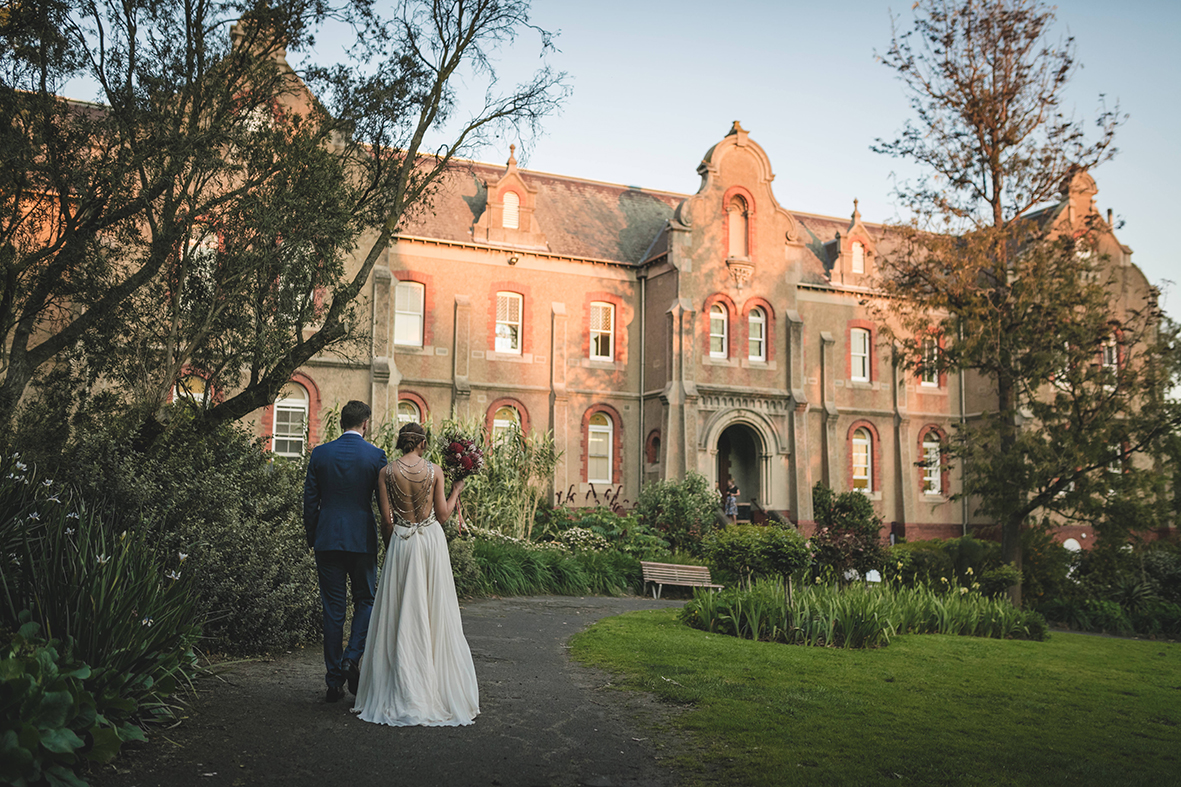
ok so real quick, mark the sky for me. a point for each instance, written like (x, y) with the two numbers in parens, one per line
(656, 83)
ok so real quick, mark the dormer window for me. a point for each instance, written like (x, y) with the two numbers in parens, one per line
(738, 228)
(858, 257)
(512, 211)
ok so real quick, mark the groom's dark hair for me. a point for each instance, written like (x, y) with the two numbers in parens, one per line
(354, 414)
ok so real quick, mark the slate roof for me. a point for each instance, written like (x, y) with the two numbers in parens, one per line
(591, 219)
(579, 218)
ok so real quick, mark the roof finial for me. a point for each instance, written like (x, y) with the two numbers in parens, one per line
(856, 213)
(512, 157)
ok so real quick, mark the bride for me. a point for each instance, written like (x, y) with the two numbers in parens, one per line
(417, 668)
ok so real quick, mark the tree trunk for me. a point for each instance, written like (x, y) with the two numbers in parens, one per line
(1011, 524)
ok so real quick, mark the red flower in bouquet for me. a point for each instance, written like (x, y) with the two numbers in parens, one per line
(461, 457)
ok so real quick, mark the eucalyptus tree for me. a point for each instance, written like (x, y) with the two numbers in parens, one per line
(203, 212)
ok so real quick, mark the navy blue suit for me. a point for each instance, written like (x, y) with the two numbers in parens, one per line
(338, 517)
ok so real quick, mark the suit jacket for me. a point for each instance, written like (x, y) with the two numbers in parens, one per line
(338, 495)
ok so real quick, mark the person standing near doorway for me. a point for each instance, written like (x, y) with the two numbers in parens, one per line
(731, 501)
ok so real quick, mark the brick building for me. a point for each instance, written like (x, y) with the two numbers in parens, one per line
(659, 333)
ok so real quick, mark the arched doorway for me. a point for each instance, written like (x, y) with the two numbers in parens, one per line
(739, 452)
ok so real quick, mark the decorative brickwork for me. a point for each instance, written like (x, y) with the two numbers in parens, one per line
(417, 401)
(490, 414)
(267, 423)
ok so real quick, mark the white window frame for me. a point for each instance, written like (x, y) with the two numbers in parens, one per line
(511, 219)
(858, 257)
(409, 317)
(183, 389)
(932, 465)
(413, 414)
(508, 330)
(603, 435)
(600, 334)
(286, 404)
(757, 346)
(860, 357)
(862, 444)
(718, 315)
(930, 376)
(501, 425)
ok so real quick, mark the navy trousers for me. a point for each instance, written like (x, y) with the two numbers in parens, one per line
(339, 572)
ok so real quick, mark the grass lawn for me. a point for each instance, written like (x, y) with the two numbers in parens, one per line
(928, 709)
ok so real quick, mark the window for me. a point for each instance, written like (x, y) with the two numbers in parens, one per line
(602, 331)
(932, 465)
(408, 313)
(598, 449)
(508, 322)
(505, 420)
(862, 461)
(201, 266)
(930, 364)
(291, 418)
(757, 335)
(718, 331)
(512, 211)
(859, 355)
(192, 389)
(737, 223)
(858, 257)
(408, 412)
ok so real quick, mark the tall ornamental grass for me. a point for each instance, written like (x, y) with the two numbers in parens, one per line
(514, 568)
(855, 617)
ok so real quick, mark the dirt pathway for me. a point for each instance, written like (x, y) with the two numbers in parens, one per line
(544, 720)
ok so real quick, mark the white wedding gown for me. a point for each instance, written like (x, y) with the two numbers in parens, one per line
(417, 668)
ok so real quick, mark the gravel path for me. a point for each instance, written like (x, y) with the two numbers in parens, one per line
(544, 720)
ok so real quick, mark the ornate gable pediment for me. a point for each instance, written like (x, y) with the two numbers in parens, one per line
(509, 219)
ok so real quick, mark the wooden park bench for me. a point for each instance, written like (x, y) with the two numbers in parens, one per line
(661, 574)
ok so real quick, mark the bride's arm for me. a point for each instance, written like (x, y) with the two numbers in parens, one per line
(444, 506)
(383, 505)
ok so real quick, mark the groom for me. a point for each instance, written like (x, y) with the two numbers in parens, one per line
(338, 516)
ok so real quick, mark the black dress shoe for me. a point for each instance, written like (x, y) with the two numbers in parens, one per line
(353, 672)
(335, 694)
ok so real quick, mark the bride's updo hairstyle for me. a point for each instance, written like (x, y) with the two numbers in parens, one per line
(409, 436)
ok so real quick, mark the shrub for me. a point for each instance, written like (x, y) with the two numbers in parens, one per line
(218, 497)
(750, 551)
(848, 533)
(683, 512)
(579, 539)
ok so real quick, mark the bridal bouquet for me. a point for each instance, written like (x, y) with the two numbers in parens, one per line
(461, 456)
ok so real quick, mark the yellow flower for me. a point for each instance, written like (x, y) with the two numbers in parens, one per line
(963, 591)
(969, 569)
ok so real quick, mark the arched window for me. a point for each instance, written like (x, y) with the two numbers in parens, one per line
(738, 227)
(192, 388)
(408, 412)
(408, 303)
(719, 333)
(512, 210)
(290, 429)
(858, 257)
(862, 460)
(508, 322)
(859, 356)
(932, 464)
(602, 331)
(504, 420)
(598, 449)
(757, 334)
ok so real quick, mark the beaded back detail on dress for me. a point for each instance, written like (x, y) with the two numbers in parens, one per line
(420, 493)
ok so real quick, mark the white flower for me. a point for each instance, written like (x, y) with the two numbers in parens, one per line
(72, 515)
(34, 517)
(147, 622)
(69, 531)
(54, 499)
(102, 560)
(183, 556)
(22, 466)
(173, 575)
(47, 482)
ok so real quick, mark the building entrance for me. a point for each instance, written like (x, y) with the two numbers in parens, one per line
(739, 449)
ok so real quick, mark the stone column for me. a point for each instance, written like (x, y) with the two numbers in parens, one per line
(828, 383)
(800, 469)
(382, 343)
(904, 469)
(461, 359)
(560, 401)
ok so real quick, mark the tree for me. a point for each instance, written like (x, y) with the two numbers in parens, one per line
(200, 217)
(1009, 271)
